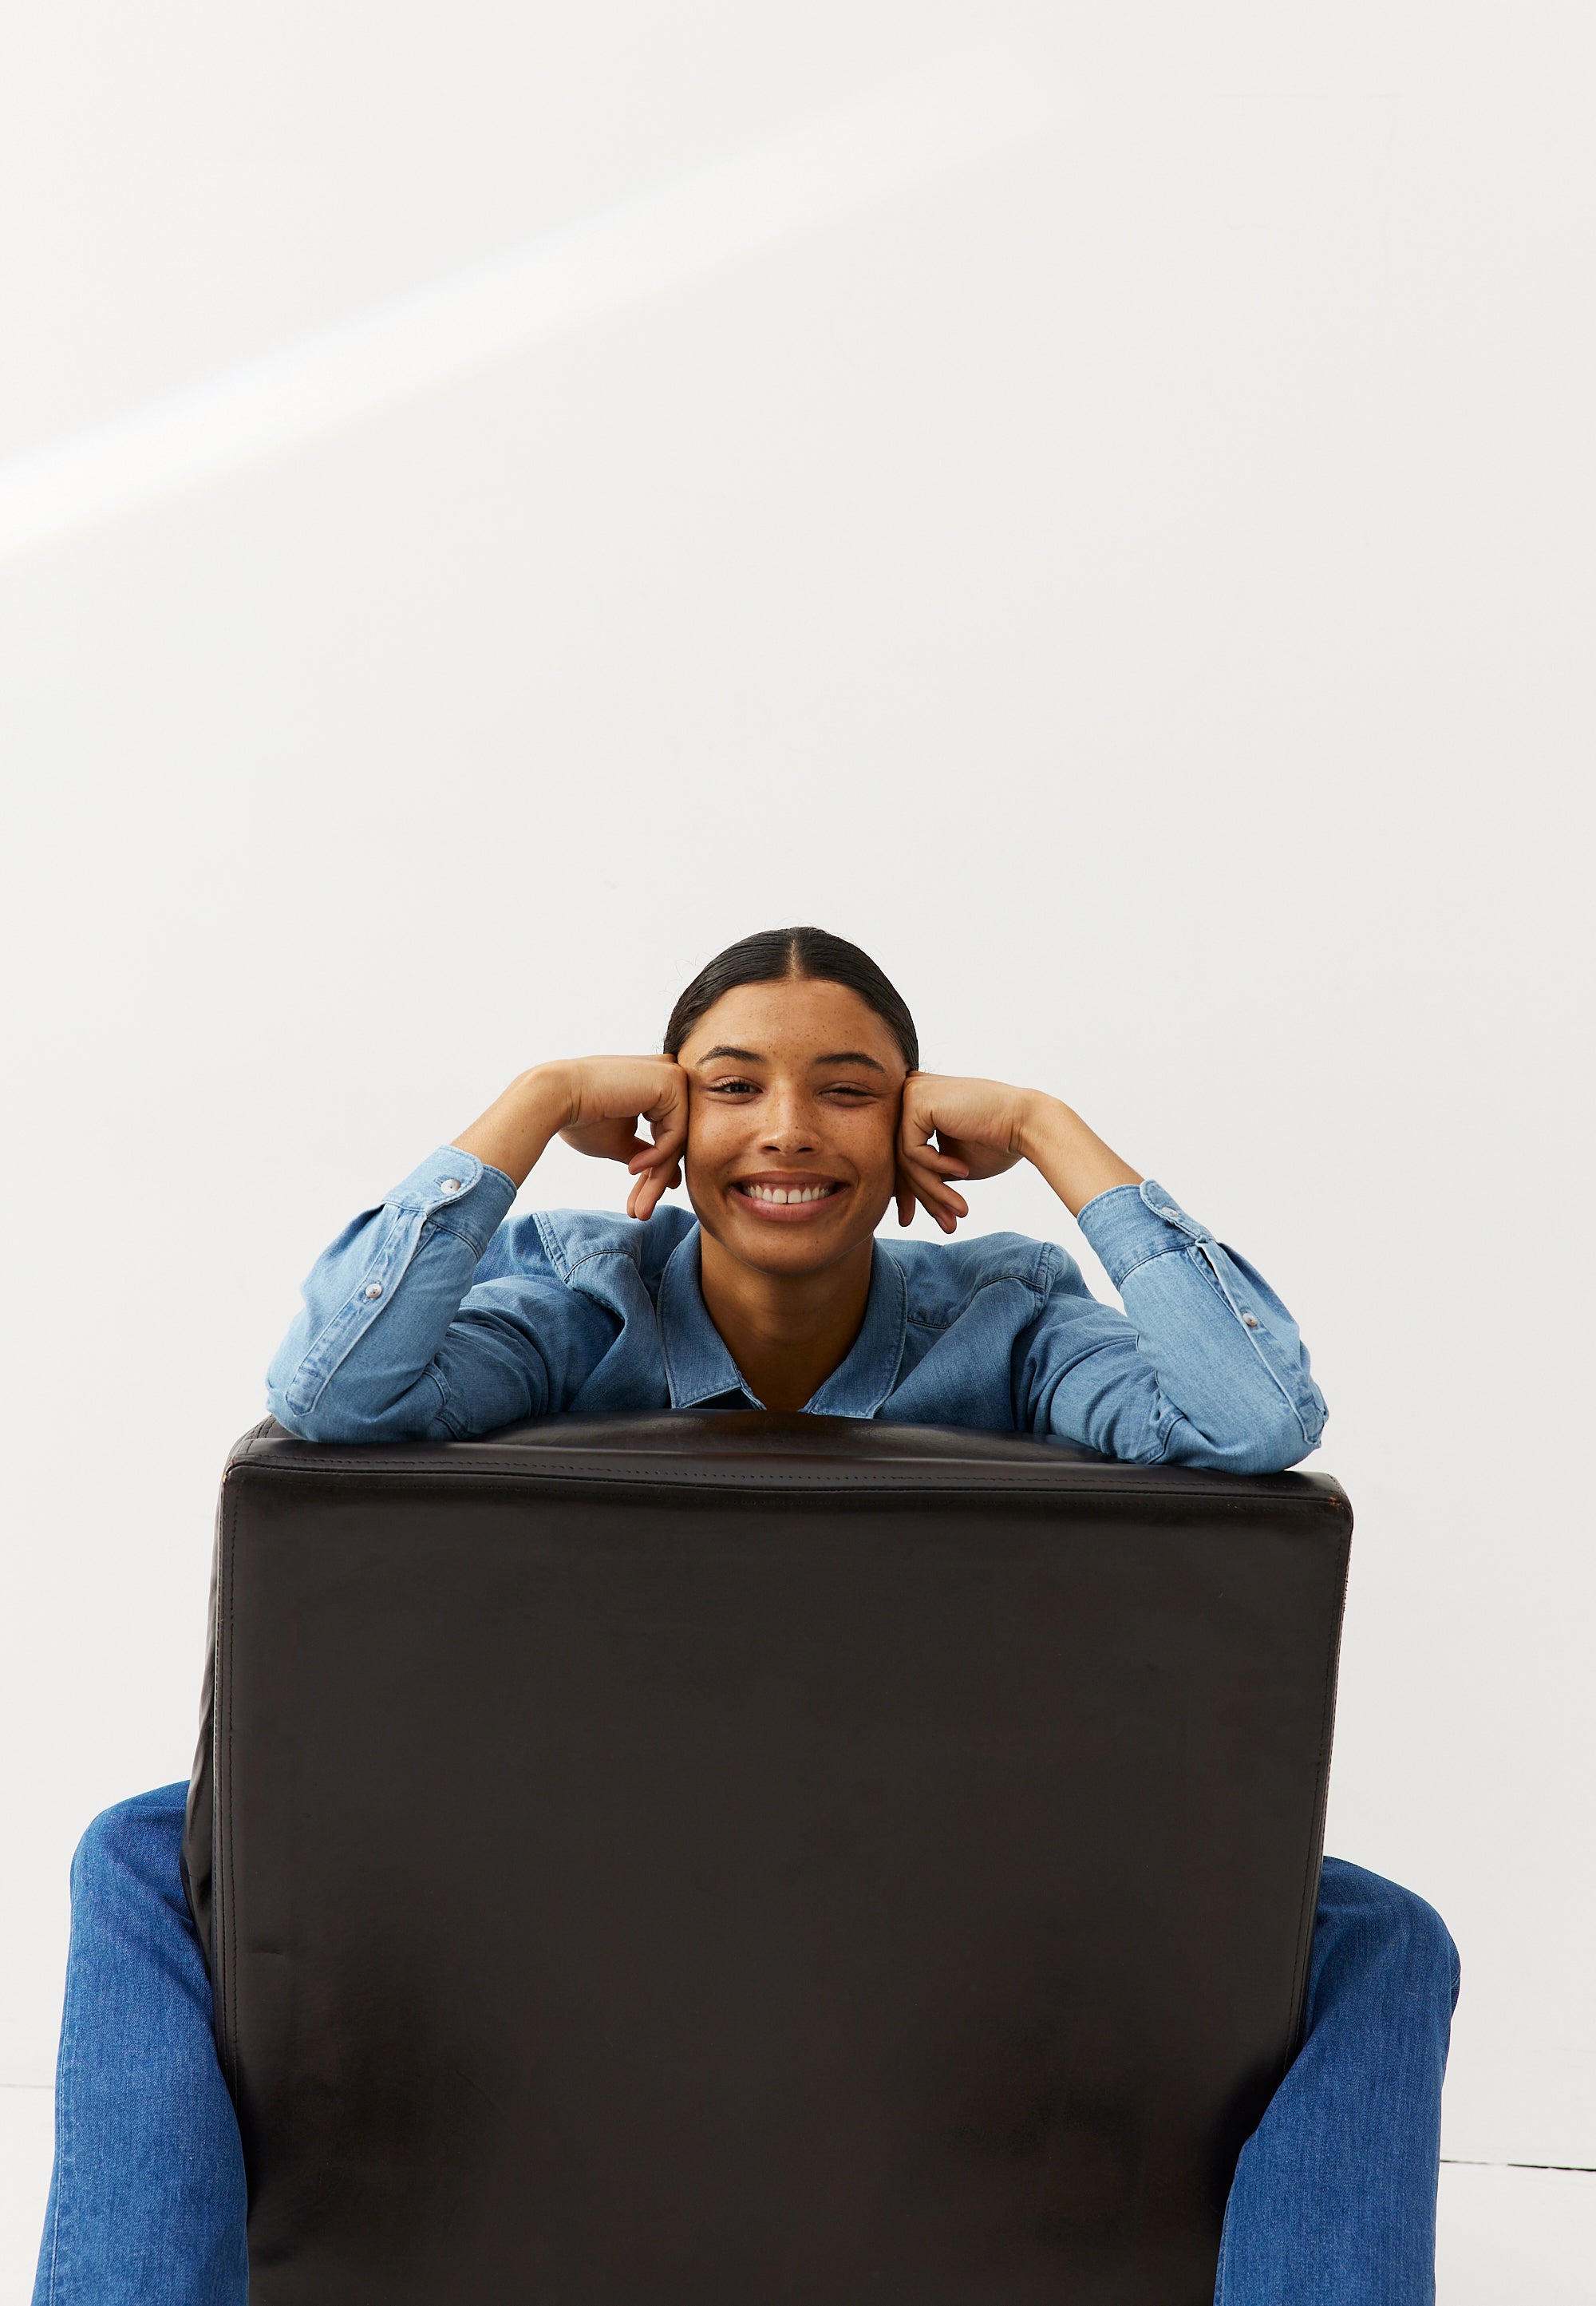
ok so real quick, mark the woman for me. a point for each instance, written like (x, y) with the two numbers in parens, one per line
(790, 1096)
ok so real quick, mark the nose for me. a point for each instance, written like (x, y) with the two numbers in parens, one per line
(788, 1124)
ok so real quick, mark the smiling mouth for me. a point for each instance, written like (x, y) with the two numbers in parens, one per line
(777, 1197)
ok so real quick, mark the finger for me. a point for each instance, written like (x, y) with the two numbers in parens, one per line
(939, 1212)
(668, 1122)
(650, 1188)
(931, 1186)
(916, 1142)
(945, 1208)
(915, 1132)
(665, 1152)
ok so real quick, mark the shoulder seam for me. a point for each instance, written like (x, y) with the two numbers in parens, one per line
(592, 1257)
(924, 1319)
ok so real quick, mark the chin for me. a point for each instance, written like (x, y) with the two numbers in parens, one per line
(785, 1248)
(794, 1256)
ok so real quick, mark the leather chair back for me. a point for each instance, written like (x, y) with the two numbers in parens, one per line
(742, 1860)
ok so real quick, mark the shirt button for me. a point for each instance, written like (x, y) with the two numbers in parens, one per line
(373, 1289)
(451, 1185)
(1250, 1321)
(1172, 1215)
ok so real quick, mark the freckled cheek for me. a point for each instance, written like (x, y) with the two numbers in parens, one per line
(874, 1154)
(713, 1140)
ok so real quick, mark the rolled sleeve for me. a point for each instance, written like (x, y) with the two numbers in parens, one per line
(1131, 1224)
(467, 1195)
(379, 1300)
(1228, 1352)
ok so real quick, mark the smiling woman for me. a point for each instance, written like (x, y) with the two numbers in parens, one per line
(789, 1092)
(791, 1098)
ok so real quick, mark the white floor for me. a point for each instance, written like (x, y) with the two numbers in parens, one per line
(26, 2138)
(1516, 2237)
(1508, 2237)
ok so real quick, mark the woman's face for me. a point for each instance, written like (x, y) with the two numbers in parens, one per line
(792, 1126)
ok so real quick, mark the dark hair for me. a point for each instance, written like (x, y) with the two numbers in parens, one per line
(771, 953)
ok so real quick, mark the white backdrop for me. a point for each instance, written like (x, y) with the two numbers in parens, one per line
(1129, 568)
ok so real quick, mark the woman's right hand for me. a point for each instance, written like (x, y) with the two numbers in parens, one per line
(609, 1098)
(596, 1104)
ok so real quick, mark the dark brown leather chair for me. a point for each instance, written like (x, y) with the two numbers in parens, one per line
(745, 1860)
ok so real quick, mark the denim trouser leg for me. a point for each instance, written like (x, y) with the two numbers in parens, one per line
(1333, 2200)
(147, 2205)
(1333, 2203)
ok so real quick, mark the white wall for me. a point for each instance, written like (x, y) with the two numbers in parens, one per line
(1136, 579)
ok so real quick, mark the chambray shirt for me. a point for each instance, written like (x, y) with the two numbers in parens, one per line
(438, 1314)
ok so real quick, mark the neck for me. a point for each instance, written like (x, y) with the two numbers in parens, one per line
(787, 1332)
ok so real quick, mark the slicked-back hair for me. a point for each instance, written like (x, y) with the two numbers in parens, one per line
(773, 954)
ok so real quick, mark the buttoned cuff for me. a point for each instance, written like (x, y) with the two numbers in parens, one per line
(470, 1197)
(1131, 1224)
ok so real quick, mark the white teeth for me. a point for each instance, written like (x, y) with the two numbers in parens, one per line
(782, 1193)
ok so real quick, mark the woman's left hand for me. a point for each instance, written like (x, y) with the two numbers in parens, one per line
(978, 1126)
(983, 1127)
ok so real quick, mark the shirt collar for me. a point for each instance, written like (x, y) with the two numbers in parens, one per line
(697, 1366)
(699, 1369)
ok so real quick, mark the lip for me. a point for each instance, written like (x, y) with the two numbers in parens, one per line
(789, 1181)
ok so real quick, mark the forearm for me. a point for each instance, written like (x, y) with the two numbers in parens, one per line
(1073, 1157)
(517, 1128)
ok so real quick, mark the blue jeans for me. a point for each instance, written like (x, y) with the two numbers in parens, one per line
(1333, 2203)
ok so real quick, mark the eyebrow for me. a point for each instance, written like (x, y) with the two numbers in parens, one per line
(752, 1057)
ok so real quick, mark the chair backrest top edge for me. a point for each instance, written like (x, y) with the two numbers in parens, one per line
(767, 1451)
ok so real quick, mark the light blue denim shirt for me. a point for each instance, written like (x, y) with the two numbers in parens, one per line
(438, 1315)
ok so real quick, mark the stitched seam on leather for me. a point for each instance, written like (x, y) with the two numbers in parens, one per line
(232, 1901)
(341, 1458)
(932, 1477)
(1305, 1916)
(221, 1881)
